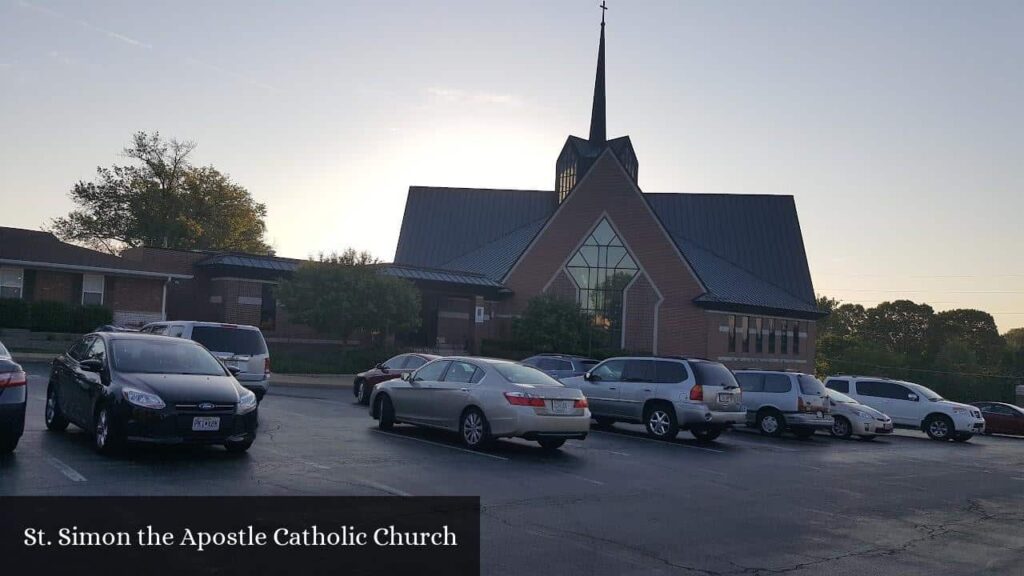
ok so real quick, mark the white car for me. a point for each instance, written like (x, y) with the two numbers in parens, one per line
(912, 405)
(851, 418)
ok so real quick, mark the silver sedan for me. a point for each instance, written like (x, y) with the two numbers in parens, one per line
(851, 418)
(483, 399)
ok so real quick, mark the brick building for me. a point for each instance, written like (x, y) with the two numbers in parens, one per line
(710, 275)
(36, 266)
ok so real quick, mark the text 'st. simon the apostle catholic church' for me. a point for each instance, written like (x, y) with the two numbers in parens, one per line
(719, 276)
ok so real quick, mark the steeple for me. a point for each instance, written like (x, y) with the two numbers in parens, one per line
(598, 132)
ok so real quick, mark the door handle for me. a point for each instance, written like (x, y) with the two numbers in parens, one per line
(463, 389)
(647, 389)
(611, 387)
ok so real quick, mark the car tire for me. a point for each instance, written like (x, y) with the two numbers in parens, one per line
(841, 427)
(106, 437)
(385, 412)
(660, 421)
(962, 436)
(364, 393)
(551, 444)
(55, 420)
(602, 422)
(8, 444)
(771, 423)
(474, 430)
(939, 427)
(239, 447)
(706, 433)
(802, 432)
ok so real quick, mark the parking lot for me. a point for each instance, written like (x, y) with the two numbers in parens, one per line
(617, 503)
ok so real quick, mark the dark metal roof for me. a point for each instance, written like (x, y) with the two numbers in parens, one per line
(443, 276)
(252, 261)
(746, 249)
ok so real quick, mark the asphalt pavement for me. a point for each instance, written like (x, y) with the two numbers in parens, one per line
(617, 503)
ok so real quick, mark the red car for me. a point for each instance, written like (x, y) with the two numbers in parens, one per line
(364, 382)
(1001, 418)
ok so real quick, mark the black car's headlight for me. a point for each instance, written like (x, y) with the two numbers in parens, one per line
(246, 402)
(143, 399)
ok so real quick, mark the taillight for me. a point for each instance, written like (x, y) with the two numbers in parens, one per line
(581, 403)
(521, 399)
(697, 393)
(12, 379)
(800, 406)
(266, 365)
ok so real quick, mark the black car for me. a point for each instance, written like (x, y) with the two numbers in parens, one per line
(13, 392)
(561, 365)
(124, 386)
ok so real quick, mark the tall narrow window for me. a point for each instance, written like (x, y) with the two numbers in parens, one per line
(758, 335)
(771, 335)
(745, 327)
(784, 339)
(601, 269)
(92, 289)
(12, 282)
(796, 337)
(732, 333)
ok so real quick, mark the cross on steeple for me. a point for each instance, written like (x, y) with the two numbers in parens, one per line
(604, 8)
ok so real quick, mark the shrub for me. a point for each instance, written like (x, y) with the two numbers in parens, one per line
(88, 318)
(51, 317)
(14, 313)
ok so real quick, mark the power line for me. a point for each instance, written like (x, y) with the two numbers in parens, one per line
(869, 365)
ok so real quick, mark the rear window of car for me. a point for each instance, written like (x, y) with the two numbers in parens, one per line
(554, 364)
(713, 374)
(519, 374)
(3, 351)
(151, 356)
(750, 382)
(777, 383)
(233, 340)
(839, 385)
(810, 385)
(669, 372)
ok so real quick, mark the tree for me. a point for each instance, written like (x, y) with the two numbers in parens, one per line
(901, 327)
(843, 319)
(552, 324)
(163, 200)
(340, 294)
(1015, 338)
(973, 330)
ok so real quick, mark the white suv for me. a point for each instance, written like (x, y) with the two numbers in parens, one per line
(777, 401)
(241, 348)
(912, 405)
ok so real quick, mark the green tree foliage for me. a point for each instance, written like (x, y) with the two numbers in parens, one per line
(901, 327)
(552, 324)
(975, 331)
(161, 199)
(340, 294)
(1015, 338)
(843, 319)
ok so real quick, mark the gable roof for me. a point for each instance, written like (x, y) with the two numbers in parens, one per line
(747, 250)
(35, 249)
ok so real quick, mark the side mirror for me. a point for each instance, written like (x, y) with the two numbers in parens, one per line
(91, 365)
(234, 370)
(912, 397)
(407, 376)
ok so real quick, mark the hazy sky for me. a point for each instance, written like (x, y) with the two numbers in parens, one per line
(897, 125)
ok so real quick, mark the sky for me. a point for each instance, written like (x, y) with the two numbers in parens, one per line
(897, 126)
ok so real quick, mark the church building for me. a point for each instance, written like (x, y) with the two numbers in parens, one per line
(719, 276)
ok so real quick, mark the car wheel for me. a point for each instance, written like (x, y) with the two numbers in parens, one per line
(239, 447)
(841, 427)
(8, 444)
(106, 438)
(771, 423)
(939, 427)
(602, 422)
(803, 433)
(385, 412)
(551, 443)
(475, 431)
(962, 436)
(55, 420)
(705, 433)
(364, 393)
(660, 421)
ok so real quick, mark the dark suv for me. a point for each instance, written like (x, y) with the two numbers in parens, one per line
(560, 365)
(364, 382)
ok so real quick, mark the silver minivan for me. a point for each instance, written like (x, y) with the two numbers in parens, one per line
(777, 401)
(236, 345)
(665, 394)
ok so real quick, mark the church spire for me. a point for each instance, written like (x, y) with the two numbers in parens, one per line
(598, 132)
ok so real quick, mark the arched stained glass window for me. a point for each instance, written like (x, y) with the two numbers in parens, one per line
(601, 269)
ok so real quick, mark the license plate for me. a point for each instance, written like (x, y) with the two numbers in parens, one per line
(561, 406)
(725, 398)
(818, 415)
(205, 424)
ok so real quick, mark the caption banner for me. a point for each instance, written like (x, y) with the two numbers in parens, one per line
(241, 535)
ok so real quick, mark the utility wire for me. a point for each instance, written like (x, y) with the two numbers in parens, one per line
(925, 370)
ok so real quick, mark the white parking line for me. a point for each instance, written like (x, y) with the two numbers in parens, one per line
(66, 470)
(382, 487)
(583, 478)
(393, 435)
(667, 443)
